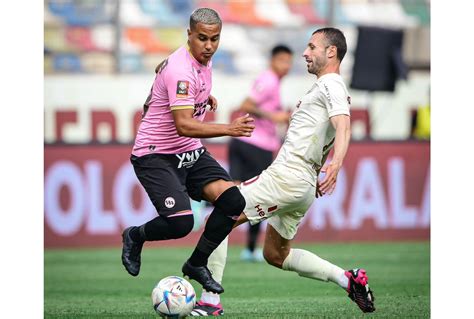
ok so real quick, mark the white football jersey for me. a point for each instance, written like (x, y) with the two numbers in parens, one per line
(310, 135)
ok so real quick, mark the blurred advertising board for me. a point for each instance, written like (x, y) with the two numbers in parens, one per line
(383, 193)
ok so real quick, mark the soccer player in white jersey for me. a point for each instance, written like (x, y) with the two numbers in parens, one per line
(284, 192)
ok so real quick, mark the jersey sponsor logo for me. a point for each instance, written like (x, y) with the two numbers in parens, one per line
(169, 202)
(182, 89)
(200, 108)
(188, 159)
(260, 211)
(203, 86)
(328, 96)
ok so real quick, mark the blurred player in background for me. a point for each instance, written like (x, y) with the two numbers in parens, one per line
(170, 161)
(284, 192)
(249, 156)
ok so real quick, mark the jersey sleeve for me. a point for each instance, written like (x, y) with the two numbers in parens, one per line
(262, 88)
(181, 88)
(336, 97)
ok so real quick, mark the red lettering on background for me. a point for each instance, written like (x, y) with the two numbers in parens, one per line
(103, 117)
(61, 119)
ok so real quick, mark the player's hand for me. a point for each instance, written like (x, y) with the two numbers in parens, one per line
(328, 184)
(280, 117)
(242, 126)
(318, 191)
(212, 102)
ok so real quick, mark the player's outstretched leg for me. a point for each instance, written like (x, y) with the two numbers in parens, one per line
(359, 291)
(131, 252)
(278, 252)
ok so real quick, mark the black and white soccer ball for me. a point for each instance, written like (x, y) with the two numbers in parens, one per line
(173, 297)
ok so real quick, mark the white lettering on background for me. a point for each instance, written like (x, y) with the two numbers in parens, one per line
(64, 174)
(368, 197)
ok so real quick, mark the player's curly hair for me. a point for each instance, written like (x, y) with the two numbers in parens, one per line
(204, 16)
(335, 37)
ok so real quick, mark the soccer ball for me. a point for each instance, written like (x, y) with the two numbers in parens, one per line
(174, 297)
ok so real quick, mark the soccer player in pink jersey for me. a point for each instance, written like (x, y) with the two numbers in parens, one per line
(249, 156)
(172, 164)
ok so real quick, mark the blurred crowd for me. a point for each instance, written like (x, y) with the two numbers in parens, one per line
(129, 36)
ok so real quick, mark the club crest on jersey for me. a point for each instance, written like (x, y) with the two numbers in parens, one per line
(182, 89)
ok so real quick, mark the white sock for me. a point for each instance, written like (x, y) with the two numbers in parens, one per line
(216, 265)
(217, 260)
(307, 264)
(210, 297)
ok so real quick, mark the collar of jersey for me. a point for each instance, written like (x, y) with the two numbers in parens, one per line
(328, 75)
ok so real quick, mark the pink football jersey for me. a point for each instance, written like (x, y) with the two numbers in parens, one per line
(181, 82)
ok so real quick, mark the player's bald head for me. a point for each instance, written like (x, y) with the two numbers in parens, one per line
(204, 16)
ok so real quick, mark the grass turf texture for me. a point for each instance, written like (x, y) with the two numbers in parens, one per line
(93, 283)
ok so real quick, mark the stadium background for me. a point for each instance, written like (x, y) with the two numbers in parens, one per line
(99, 58)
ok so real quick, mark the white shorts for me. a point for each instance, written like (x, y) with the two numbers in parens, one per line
(280, 196)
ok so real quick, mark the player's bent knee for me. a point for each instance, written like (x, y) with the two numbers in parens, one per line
(273, 258)
(231, 202)
(180, 226)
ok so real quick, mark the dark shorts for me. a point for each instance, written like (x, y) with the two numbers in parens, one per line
(171, 179)
(247, 160)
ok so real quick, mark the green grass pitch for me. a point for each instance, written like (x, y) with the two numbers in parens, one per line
(92, 283)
